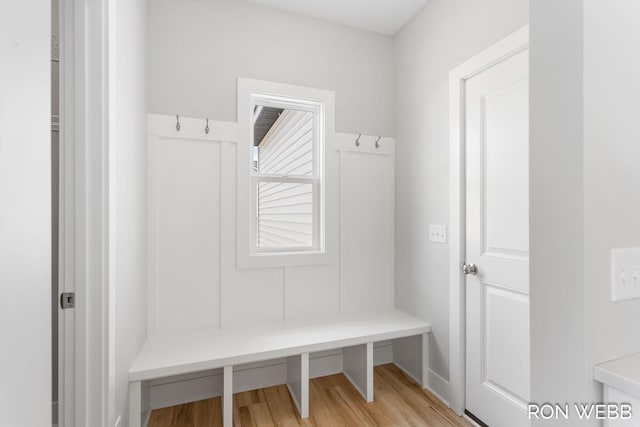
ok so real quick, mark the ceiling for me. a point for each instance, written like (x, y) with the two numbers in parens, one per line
(381, 16)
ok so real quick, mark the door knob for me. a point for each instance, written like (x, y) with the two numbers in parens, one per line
(471, 269)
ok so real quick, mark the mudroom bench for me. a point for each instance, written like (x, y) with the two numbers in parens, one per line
(184, 353)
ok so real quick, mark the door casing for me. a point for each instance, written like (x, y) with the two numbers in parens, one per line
(505, 48)
(84, 378)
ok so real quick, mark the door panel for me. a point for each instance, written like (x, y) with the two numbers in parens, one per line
(497, 229)
(505, 316)
(506, 127)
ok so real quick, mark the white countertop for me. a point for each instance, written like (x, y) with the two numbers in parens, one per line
(622, 374)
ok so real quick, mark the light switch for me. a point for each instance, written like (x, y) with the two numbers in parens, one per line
(625, 274)
(438, 233)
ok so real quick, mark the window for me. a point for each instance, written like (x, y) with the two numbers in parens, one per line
(285, 175)
(283, 139)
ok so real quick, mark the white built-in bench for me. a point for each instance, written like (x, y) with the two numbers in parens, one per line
(169, 355)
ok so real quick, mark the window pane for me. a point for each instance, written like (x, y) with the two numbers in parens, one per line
(285, 215)
(284, 140)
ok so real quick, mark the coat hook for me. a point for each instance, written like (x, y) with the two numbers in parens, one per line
(206, 129)
(378, 142)
(177, 123)
(358, 140)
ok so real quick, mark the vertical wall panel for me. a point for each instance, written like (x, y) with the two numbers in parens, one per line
(186, 207)
(252, 296)
(366, 231)
(249, 295)
(312, 291)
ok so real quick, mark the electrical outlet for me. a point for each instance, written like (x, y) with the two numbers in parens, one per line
(438, 233)
(625, 274)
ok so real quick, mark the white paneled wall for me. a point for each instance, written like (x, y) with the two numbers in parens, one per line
(186, 230)
(366, 238)
(193, 278)
(312, 291)
(194, 281)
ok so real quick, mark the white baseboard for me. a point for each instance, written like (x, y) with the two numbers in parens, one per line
(181, 389)
(438, 386)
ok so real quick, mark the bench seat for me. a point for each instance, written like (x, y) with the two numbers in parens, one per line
(188, 352)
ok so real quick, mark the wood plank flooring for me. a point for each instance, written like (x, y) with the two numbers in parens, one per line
(334, 402)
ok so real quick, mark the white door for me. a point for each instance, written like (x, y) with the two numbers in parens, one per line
(497, 242)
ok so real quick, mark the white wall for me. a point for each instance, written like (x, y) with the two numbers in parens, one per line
(25, 213)
(611, 171)
(584, 142)
(198, 48)
(442, 35)
(127, 196)
(557, 228)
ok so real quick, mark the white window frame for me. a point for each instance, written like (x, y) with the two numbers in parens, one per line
(324, 180)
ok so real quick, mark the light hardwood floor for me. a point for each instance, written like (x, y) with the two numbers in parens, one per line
(333, 403)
